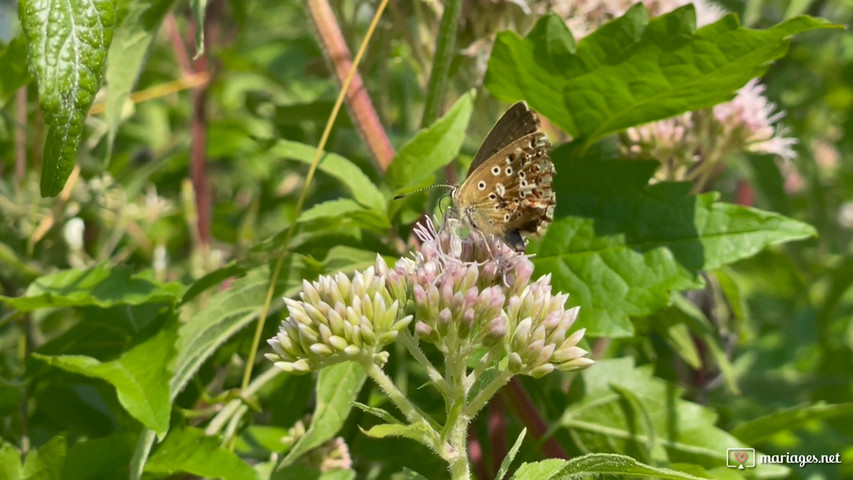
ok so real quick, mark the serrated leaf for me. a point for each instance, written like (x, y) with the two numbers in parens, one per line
(507, 461)
(360, 186)
(140, 376)
(596, 464)
(432, 148)
(102, 286)
(140, 21)
(759, 429)
(13, 57)
(46, 462)
(337, 387)
(685, 430)
(633, 70)
(226, 314)
(620, 250)
(188, 449)
(68, 50)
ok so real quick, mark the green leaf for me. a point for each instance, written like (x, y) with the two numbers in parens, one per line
(105, 457)
(102, 286)
(13, 57)
(68, 50)
(46, 462)
(432, 148)
(417, 432)
(129, 49)
(227, 313)
(596, 464)
(360, 186)
(762, 428)
(348, 210)
(140, 375)
(600, 421)
(188, 449)
(633, 70)
(507, 461)
(10, 461)
(620, 249)
(199, 8)
(337, 387)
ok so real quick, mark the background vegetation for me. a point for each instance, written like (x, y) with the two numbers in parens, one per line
(151, 192)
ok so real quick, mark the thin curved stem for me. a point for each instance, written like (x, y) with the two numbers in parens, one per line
(256, 340)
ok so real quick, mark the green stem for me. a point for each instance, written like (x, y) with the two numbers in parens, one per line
(445, 46)
(487, 393)
(455, 433)
(410, 411)
(434, 375)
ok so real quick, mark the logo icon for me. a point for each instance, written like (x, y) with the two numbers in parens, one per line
(740, 458)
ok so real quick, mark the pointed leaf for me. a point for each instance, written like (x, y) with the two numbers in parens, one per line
(507, 461)
(68, 50)
(102, 286)
(432, 148)
(140, 376)
(337, 387)
(597, 464)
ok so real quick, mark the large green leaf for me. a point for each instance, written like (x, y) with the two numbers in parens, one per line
(597, 464)
(140, 375)
(432, 148)
(68, 50)
(621, 247)
(667, 429)
(188, 449)
(633, 70)
(102, 286)
(140, 21)
(337, 387)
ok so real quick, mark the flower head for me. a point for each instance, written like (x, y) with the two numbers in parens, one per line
(339, 319)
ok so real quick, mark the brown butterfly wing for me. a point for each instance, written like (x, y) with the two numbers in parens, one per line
(515, 123)
(510, 193)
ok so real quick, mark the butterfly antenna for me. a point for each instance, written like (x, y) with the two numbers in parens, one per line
(440, 185)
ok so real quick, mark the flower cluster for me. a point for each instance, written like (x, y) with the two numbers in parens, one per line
(338, 319)
(467, 294)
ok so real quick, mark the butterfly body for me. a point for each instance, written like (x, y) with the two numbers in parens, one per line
(508, 190)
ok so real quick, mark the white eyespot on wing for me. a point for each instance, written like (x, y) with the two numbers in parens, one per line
(508, 170)
(506, 217)
(523, 182)
(521, 174)
(493, 196)
(496, 170)
(481, 185)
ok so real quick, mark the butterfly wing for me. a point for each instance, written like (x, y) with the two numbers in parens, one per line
(509, 193)
(516, 122)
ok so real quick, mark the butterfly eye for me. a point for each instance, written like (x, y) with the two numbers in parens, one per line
(509, 170)
(481, 185)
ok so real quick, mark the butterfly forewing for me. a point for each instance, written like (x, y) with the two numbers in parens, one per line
(508, 193)
(516, 122)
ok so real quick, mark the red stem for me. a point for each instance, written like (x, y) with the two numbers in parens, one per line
(358, 101)
(529, 415)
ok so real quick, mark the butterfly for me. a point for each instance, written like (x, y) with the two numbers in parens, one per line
(507, 192)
